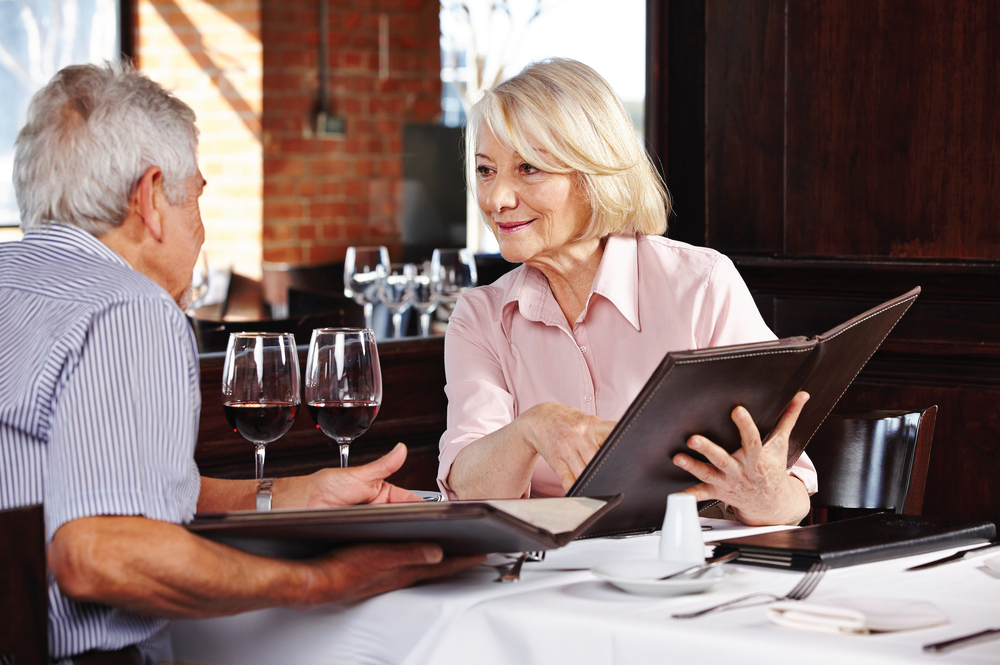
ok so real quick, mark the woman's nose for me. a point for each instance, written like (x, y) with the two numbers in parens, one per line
(501, 195)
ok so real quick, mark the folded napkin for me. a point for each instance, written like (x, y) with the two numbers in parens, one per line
(856, 615)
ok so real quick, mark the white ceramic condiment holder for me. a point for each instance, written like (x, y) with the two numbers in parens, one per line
(681, 539)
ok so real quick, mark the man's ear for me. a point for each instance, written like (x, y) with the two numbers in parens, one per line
(148, 199)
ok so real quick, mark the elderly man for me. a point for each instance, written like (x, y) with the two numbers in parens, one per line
(99, 392)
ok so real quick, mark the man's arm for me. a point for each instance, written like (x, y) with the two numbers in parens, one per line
(160, 569)
(327, 487)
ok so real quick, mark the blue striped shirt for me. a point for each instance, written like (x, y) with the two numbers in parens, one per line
(99, 404)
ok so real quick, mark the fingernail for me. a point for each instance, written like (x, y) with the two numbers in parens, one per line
(433, 554)
(695, 443)
(680, 461)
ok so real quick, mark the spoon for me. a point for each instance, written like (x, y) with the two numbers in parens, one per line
(697, 571)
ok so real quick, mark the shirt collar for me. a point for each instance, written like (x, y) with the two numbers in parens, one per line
(81, 239)
(617, 280)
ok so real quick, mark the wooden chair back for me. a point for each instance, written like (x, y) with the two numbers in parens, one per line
(872, 461)
(23, 587)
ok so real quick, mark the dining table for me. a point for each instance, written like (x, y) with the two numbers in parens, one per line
(562, 612)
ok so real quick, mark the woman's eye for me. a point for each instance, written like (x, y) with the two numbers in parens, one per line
(483, 171)
(528, 168)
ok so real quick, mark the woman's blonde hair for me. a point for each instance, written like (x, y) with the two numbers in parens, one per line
(561, 116)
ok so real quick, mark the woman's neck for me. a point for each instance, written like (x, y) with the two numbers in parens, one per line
(571, 275)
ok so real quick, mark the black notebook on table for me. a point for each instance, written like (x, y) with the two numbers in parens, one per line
(853, 541)
(694, 392)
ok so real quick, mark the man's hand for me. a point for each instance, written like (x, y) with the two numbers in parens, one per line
(753, 481)
(345, 487)
(108, 559)
(565, 437)
(362, 571)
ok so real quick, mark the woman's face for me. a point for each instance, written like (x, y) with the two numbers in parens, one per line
(535, 215)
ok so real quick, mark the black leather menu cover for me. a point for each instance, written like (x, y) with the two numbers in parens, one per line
(694, 392)
(853, 541)
(460, 527)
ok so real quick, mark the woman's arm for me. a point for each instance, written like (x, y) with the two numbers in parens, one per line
(500, 464)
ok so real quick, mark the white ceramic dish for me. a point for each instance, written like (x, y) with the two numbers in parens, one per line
(640, 577)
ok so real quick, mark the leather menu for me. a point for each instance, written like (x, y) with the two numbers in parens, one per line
(858, 540)
(460, 527)
(694, 392)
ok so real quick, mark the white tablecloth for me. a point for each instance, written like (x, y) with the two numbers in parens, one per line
(556, 616)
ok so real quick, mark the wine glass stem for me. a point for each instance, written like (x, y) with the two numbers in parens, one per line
(343, 454)
(425, 324)
(397, 324)
(259, 449)
(369, 312)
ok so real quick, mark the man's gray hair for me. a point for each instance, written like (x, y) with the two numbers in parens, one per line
(92, 132)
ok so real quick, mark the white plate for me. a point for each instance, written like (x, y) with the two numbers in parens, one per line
(641, 577)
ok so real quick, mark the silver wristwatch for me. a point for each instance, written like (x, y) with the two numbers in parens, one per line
(264, 495)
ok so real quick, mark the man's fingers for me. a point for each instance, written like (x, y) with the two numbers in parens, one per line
(384, 466)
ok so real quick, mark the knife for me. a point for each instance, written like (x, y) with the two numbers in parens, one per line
(959, 556)
(965, 640)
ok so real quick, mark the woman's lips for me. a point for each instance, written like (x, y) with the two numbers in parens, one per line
(513, 227)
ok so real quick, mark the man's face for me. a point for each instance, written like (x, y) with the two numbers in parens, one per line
(183, 235)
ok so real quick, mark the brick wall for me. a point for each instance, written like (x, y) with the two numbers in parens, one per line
(324, 193)
(278, 191)
(209, 54)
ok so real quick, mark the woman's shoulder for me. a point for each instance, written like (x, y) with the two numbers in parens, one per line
(677, 255)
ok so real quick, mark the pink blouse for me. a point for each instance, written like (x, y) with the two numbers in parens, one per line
(509, 346)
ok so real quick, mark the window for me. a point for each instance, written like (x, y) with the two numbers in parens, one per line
(37, 39)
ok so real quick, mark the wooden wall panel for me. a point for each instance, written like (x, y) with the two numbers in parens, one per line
(744, 118)
(893, 135)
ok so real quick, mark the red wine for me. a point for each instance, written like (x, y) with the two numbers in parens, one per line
(343, 420)
(260, 422)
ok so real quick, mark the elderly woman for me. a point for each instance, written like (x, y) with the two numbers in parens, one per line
(542, 363)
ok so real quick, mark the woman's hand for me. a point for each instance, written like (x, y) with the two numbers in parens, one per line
(753, 481)
(565, 437)
(499, 465)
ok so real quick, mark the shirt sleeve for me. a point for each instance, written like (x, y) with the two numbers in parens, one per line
(125, 418)
(479, 401)
(732, 316)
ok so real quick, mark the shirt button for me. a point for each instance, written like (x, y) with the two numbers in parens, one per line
(588, 398)
(583, 349)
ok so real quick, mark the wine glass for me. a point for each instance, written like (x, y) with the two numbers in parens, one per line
(361, 278)
(198, 288)
(426, 291)
(343, 383)
(395, 290)
(456, 269)
(260, 387)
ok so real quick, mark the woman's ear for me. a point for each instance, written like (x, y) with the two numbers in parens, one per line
(148, 199)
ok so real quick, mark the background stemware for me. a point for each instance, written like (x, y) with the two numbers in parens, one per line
(426, 291)
(260, 388)
(395, 290)
(456, 270)
(361, 276)
(343, 383)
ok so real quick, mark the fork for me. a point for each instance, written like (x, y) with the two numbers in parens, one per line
(513, 573)
(801, 590)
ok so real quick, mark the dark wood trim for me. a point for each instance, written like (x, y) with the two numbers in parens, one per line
(126, 27)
